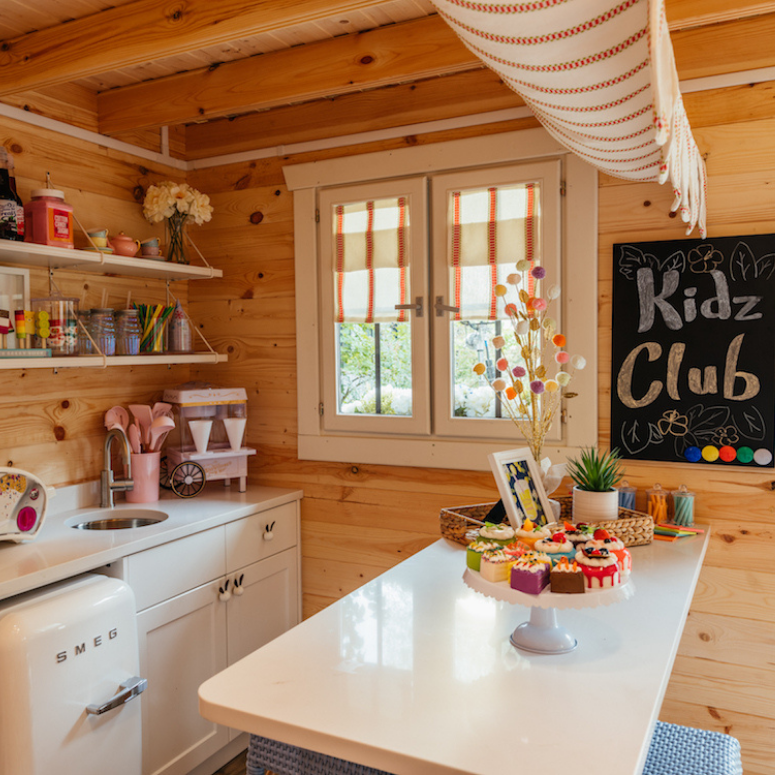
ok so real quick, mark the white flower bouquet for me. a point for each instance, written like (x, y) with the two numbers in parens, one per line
(176, 202)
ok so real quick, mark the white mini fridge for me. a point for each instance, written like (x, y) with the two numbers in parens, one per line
(69, 685)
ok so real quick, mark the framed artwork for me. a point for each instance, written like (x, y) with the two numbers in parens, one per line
(519, 483)
(14, 295)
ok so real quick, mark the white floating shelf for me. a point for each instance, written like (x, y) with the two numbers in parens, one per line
(29, 254)
(96, 361)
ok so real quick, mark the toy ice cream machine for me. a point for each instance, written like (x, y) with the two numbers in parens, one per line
(207, 442)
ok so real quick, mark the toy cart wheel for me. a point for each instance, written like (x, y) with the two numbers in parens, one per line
(164, 474)
(187, 479)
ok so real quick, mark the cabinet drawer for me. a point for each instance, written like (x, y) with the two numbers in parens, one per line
(246, 540)
(165, 571)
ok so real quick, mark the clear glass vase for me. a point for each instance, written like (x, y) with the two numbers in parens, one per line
(176, 248)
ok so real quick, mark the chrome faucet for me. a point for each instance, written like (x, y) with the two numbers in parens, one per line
(107, 484)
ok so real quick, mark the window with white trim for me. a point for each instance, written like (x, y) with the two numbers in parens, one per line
(397, 256)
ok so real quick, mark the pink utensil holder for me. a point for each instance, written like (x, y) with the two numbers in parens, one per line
(145, 474)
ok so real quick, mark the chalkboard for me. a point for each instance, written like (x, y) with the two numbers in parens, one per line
(693, 351)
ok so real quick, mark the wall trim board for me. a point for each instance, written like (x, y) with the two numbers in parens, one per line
(726, 80)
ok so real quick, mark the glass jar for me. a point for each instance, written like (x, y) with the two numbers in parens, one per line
(85, 347)
(103, 331)
(127, 332)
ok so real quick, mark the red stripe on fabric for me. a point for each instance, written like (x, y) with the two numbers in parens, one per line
(339, 263)
(492, 257)
(551, 37)
(513, 8)
(600, 56)
(402, 256)
(530, 233)
(370, 258)
(592, 108)
(515, 82)
(456, 249)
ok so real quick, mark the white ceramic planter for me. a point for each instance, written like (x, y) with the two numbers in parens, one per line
(595, 506)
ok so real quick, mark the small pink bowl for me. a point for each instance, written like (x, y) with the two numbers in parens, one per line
(149, 252)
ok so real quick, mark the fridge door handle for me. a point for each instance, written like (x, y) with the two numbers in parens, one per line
(132, 687)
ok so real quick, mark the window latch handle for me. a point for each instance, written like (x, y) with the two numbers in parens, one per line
(441, 307)
(417, 306)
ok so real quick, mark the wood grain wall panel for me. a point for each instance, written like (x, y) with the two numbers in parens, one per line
(51, 423)
(731, 622)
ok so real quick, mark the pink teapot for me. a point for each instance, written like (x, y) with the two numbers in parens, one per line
(123, 245)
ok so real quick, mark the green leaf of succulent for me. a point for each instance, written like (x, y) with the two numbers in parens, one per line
(596, 471)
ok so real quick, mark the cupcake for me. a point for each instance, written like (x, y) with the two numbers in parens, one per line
(529, 533)
(516, 549)
(495, 565)
(579, 534)
(556, 546)
(602, 539)
(600, 568)
(502, 534)
(567, 577)
(475, 550)
(529, 574)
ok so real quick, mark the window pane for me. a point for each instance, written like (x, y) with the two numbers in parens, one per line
(472, 344)
(374, 369)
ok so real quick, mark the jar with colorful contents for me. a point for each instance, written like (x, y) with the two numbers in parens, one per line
(103, 330)
(55, 324)
(48, 218)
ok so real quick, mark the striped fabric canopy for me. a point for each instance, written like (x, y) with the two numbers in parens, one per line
(600, 76)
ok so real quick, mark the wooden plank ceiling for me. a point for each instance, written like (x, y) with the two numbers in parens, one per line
(117, 66)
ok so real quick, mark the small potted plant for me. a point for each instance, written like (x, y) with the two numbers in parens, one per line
(595, 476)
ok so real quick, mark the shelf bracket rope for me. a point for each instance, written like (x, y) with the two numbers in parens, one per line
(600, 76)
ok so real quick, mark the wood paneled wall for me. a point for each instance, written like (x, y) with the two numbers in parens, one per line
(51, 423)
(359, 520)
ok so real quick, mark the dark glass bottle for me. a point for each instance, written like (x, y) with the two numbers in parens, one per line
(8, 228)
(19, 203)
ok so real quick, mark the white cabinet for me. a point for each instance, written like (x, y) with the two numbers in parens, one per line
(189, 630)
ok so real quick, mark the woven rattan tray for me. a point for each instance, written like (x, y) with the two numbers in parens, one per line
(460, 523)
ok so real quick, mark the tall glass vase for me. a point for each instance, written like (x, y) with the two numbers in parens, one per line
(176, 248)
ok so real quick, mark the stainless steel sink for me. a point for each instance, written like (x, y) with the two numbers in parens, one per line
(116, 519)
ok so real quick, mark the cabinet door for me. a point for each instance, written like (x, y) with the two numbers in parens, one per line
(268, 606)
(182, 644)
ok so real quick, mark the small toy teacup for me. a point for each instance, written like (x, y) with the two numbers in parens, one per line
(99, 237)
(153, 242)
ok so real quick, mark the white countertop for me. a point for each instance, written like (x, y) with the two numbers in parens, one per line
(414, 674)
(59, 551)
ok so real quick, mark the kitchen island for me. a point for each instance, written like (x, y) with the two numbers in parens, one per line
(414, 674)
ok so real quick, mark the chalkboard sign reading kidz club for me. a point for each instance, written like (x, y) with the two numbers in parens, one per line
(693, 351)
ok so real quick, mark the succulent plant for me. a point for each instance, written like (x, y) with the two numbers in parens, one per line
(595, 471)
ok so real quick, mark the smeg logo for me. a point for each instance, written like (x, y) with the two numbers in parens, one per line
(90, 645)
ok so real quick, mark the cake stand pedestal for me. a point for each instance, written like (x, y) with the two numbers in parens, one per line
(543, 634)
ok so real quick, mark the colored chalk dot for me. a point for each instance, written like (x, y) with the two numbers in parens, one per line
(762, 457)
(745, 455)
(710, 453)
(727, 454)
(693, 454)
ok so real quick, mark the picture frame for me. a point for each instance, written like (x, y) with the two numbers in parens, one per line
(14, 294)
(518, 477)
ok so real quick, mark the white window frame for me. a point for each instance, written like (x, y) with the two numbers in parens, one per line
(579, 297)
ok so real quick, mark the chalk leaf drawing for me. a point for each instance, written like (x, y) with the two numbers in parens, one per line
(749, 421)
(705, 420)
(636, 436)
(743, 265)
(631, 259)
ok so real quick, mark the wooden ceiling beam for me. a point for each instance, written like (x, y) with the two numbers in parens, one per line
(148, 30)
(394, 54)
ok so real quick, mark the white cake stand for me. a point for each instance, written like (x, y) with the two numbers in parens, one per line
(542, 634)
